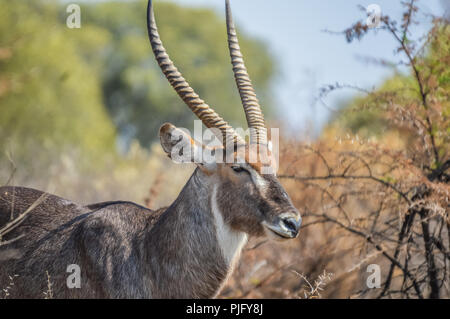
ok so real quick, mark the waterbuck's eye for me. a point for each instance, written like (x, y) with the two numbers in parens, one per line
(238, 169)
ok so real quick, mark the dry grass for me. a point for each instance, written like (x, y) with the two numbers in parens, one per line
(6, 291)
(350, 219)
(380, 201)
(48, 294)
(125, 178)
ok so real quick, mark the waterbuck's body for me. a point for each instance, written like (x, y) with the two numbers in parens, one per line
(123, 250)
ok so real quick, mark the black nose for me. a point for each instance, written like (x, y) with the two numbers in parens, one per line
(292, 224)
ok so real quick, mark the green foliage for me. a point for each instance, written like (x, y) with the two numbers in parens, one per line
(49, 95)
(68, 89)
(398, 104)
(367, 116)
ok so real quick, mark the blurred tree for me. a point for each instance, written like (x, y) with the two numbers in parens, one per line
(415, 104)
(362, 114)
(68, 88)
(50, 97)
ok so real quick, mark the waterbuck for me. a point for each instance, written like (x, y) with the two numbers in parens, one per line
(124, 250)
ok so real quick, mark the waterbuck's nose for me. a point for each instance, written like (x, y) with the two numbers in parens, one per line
(291, 224)
(285, 225)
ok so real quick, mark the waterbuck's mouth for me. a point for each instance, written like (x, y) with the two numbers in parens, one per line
(279, 234)
(281, 231)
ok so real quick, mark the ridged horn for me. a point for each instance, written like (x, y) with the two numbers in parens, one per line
(252, 109)
(202, 110)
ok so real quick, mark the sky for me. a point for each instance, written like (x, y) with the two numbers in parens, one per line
(309, 58)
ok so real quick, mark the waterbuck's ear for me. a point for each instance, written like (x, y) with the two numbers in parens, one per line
(178, 144)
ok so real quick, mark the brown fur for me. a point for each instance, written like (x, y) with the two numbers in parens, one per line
(128, 251)
(124, 250)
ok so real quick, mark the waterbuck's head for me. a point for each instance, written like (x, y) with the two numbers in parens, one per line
(241, 175)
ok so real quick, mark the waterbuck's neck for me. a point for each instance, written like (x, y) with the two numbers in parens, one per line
(192, 247)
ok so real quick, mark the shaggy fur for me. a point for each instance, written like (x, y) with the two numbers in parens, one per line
(124, 250)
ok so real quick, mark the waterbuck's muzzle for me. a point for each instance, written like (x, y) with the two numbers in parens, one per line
(286, 225)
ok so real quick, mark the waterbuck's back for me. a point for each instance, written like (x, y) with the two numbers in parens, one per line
(103, 239)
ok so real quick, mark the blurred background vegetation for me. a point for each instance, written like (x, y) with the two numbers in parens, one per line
(80, 111)
(83, 102)
(98, 88)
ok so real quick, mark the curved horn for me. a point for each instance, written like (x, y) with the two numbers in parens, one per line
(203, 111)
(252, 109)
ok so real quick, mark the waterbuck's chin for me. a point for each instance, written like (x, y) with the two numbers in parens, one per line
(123, 250)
